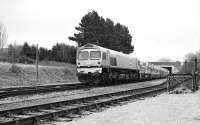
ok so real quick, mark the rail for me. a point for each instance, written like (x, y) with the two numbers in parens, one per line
(15, 91)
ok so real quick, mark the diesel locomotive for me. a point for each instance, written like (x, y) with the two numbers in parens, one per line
(99, 65)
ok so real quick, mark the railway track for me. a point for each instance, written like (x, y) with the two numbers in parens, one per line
(15, 91)
(72, 108)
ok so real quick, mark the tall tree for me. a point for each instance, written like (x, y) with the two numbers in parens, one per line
(3, 35)
(103, 32)
(25, 49)
(14, 52)
(43, 53)
(189, 63)
(28, 51)
(63, 53)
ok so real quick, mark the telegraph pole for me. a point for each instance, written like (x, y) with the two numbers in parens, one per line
(185, 67)
(63, 52)
(12, 54)
(195, 73)
(37, 75)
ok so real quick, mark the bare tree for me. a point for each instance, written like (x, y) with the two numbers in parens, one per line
(190, 56)
(3, 35)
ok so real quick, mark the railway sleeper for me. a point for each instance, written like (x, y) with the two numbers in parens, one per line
(72, 115)
(96, 106)
(85, 112)
(63, 119)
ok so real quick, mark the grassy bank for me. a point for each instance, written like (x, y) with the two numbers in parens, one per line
(25, 74)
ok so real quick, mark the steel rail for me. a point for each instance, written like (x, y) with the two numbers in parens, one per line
(8, 92)
(16, 91)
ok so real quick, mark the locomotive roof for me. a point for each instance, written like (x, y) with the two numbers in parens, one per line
(92, 46)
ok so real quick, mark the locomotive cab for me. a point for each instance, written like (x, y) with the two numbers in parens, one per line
(89, 62)
(89, 58)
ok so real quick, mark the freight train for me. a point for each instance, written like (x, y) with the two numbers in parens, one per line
(99, 65)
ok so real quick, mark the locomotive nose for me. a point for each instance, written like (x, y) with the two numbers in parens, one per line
(88, 64)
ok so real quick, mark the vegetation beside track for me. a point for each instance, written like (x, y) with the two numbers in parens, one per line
(25, 74)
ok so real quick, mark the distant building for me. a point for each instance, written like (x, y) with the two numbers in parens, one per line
(173, 67)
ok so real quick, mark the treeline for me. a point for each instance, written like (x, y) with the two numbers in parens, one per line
(103, 32)
(27, 53)
(189, 63)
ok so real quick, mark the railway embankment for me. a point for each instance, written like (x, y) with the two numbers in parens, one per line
(25, 74)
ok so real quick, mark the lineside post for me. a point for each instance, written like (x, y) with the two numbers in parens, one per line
(193, 82)
(195, 74)
(185, 66)
(172, 82)
(182, 82)
(168, 83)
(37, 63)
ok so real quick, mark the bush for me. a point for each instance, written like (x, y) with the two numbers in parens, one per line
(15, 69)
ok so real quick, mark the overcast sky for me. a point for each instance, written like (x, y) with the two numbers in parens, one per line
(160, 28)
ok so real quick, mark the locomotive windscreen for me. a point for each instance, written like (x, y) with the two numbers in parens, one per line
(95, 55)
(83, 55)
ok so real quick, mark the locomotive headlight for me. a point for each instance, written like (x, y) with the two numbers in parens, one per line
(78, 63)
(99, 63)
(98, 71)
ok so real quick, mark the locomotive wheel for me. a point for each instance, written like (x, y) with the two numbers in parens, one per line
(97, 81)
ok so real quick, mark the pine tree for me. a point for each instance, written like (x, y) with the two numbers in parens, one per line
(96, 30)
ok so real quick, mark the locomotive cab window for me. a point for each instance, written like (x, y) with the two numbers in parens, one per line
(83, 55)
(113, 61)
(95, 55)
(104, 56)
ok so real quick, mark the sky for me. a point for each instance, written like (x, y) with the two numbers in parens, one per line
(159, 28)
